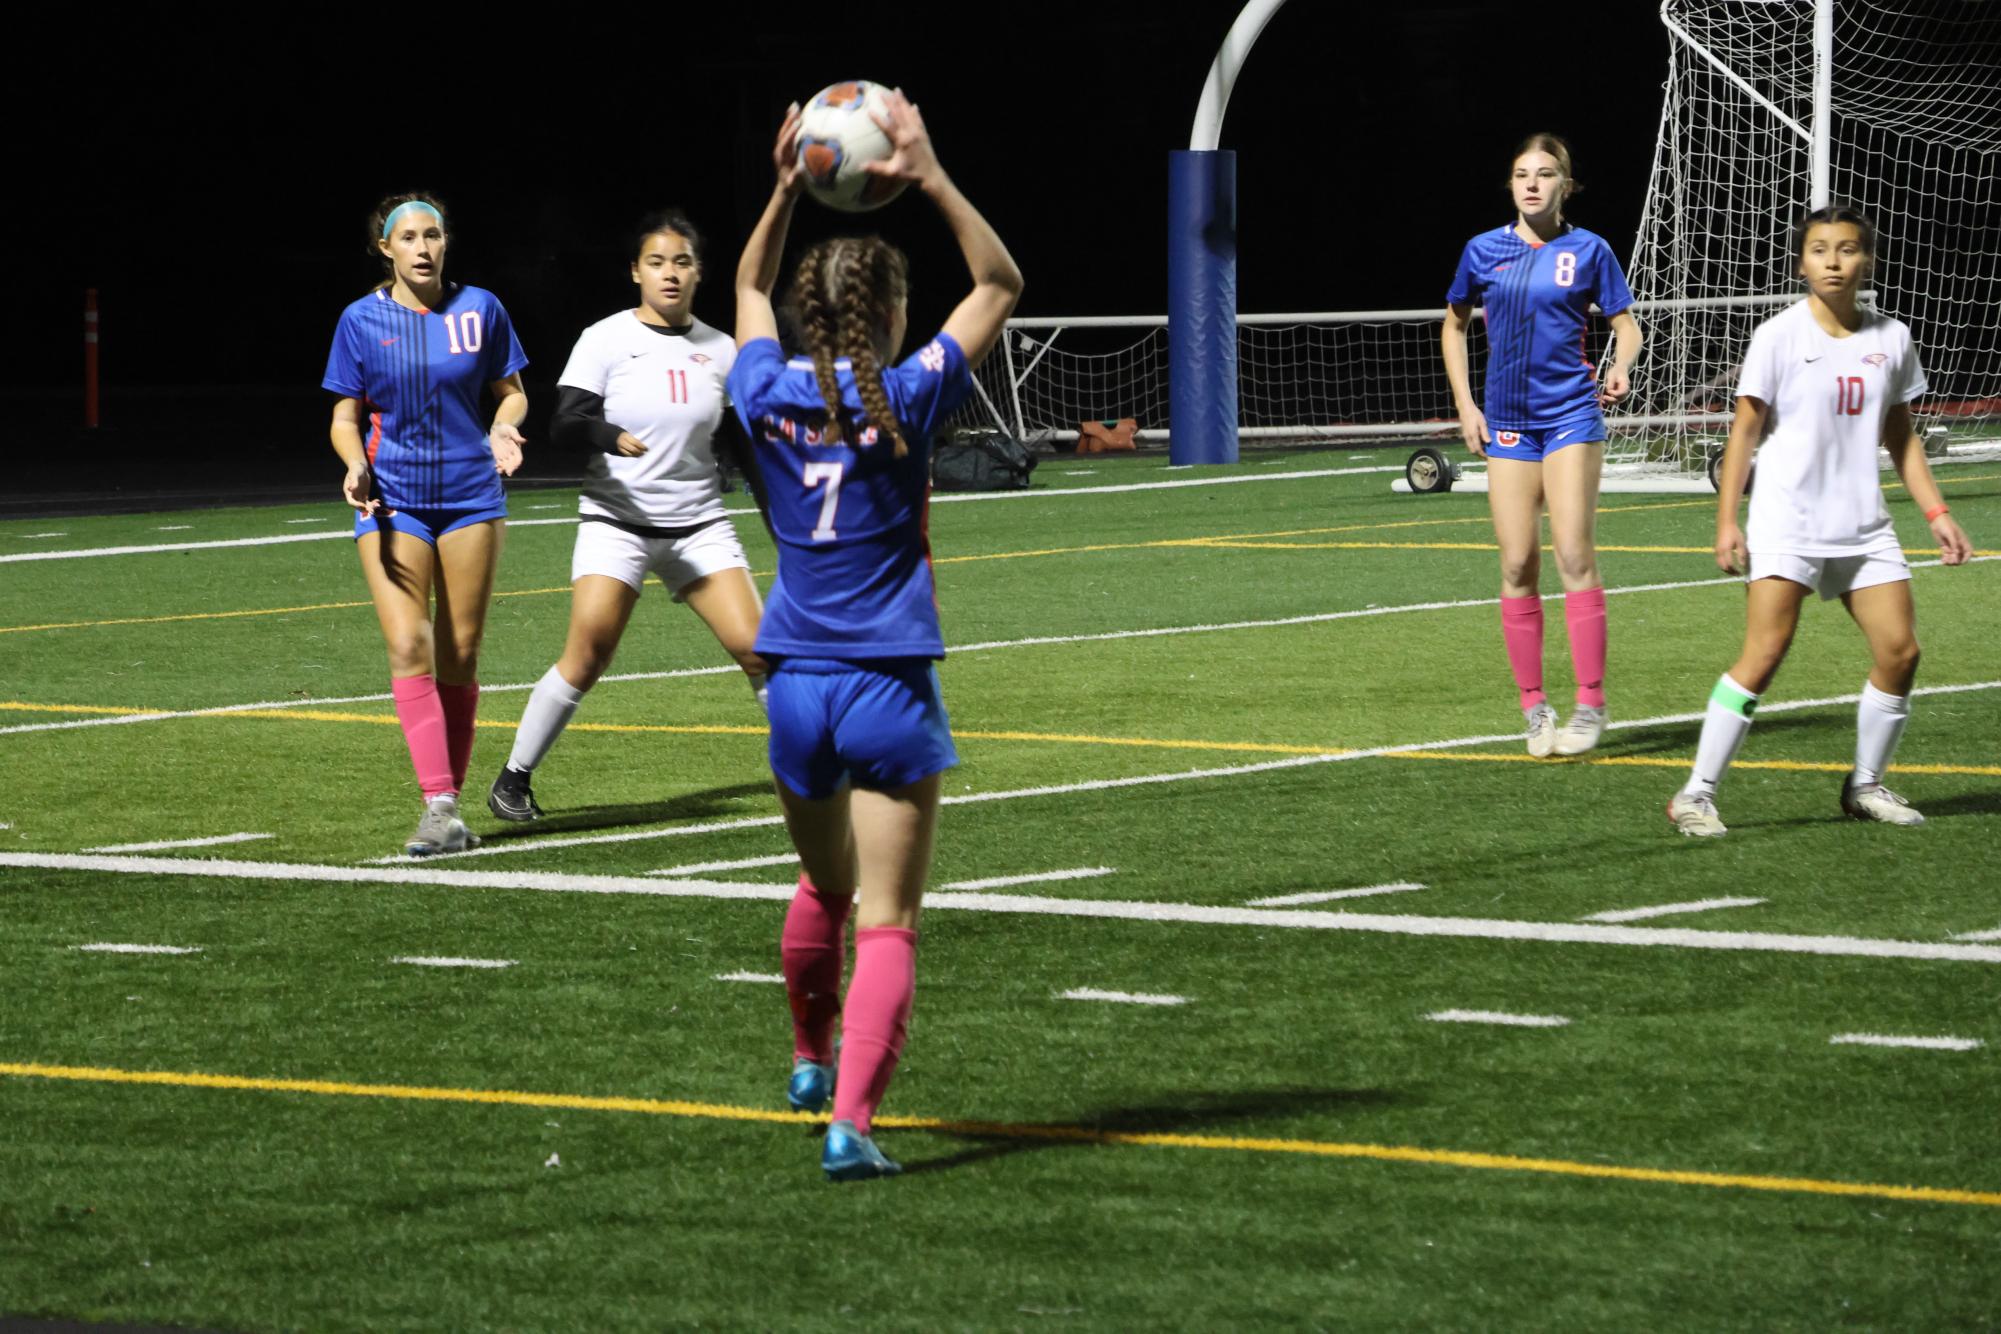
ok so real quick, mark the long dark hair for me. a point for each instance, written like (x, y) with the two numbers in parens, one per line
(380, 217)
(843, 293)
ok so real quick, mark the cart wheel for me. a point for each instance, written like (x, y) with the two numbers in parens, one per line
(1716, 468)
(1428, 470)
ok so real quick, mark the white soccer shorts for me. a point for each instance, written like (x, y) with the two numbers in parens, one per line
(679, 561)
(1832, 576)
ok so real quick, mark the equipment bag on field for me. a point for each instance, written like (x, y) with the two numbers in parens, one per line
(981, 461)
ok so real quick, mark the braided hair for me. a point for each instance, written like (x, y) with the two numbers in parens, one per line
(844, 292)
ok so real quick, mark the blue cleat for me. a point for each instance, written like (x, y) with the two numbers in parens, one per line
(850, 1155)
(811, 1086)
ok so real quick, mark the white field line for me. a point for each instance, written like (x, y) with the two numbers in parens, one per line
(1886, 1040)
(1497, 1017)
(1970, 935)
(447, 961)
(527, 523)
(1328, 896)
(740, 864)
(139, 949)
(166, 844)
(276, 539)
(1465, 928)
(173, 528)
(1037, 878)
(1670, 909)
(1315, 618)
(779, 978)
(1121, 997)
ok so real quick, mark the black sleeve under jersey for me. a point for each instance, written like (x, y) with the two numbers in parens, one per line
(733, 445)
(579, 423)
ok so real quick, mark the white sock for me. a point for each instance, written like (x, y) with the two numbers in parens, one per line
(1723, 729)
(551, 705)
(448, 801)
(1879, 725)
(759, 686)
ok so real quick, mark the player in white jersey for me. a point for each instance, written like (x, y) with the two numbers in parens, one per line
(1824, 383)
(642, 395)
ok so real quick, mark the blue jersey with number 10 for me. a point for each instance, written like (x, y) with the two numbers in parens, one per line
(419, 375)
(854, 553)
(1538, 298)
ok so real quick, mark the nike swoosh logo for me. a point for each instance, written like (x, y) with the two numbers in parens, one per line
(1561, 434)
(387, 341)
(1811, 360)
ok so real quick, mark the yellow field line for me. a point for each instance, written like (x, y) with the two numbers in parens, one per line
(1226, 543)
(1666, 762)
(234, 615)
(1393, 1153)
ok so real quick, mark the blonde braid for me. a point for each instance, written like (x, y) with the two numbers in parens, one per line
(816, 326)
(870, 282)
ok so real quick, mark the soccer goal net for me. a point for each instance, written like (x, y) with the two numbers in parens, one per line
(1893, 106)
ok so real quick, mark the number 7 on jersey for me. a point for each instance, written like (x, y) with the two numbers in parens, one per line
(812, 476)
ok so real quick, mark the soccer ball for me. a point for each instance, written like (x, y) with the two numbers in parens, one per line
(837, 134)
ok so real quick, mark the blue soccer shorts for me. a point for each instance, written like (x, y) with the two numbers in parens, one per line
(1535, 445)
(427, 525)
(877, 725)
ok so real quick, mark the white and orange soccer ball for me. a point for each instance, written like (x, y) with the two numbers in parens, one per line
(837, 136)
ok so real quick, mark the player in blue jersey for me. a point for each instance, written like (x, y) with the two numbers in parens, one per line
(858, 731)
(1542, 432)
(410, 362)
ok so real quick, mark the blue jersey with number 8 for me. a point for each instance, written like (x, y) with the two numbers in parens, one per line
(854, 553)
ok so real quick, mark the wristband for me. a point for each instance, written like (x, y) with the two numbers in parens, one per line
(1937, 510)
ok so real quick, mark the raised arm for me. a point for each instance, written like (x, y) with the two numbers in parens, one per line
(976, 323)
(757, 267)
(1907, 452)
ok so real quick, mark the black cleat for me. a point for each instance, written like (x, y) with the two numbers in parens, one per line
(511, 798)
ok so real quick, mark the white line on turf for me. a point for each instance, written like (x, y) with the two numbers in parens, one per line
(1886, 1040)
(1328, 896)
(1467, 928)
(1121, 997)
(299, 521)
(173, 528)
(1497, 1017)
(140, 949)
(447, 961)
(1670, 909)
(740, 864)
(1038, 877)
(166, 844)
(779, 978)
(276, 539)
(1970, 935)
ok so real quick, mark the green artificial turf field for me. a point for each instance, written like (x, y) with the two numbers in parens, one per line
(1505, 1052)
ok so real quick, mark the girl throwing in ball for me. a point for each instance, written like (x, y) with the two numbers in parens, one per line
(409, 362)
(1542, 432)
(858, 732)
(642, 396)
(1824, 383)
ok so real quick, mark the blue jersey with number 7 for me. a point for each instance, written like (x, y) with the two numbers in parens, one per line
(854, 553)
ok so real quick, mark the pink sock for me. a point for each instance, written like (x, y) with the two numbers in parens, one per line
(875, 1020)
(422, 714)
(1521, 630)
(812, 949)
(461, 707)
(1584, 613)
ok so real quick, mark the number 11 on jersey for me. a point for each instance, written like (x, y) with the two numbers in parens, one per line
(830, 473)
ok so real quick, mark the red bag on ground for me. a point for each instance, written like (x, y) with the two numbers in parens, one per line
(1107, 436)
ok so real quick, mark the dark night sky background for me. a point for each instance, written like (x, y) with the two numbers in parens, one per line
(215, 186)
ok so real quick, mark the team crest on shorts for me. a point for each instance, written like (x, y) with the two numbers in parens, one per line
(1877, 358)
(1509, 437)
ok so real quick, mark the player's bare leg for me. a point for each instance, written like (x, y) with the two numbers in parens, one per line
(400, 570)
(1570, 484)
(1889, 622)
(728, 604)
(1514, 498)
(467, 560)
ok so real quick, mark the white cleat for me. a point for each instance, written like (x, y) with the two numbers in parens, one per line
(440, 830)
(1541, 730)
(1873, 801)
(1581, 733)
(1695, 815)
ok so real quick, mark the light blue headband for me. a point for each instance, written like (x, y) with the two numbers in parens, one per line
(389, 223)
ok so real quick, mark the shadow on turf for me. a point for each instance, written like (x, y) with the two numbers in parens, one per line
(1681, 740)
(1194, 1113)
(689, 805)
